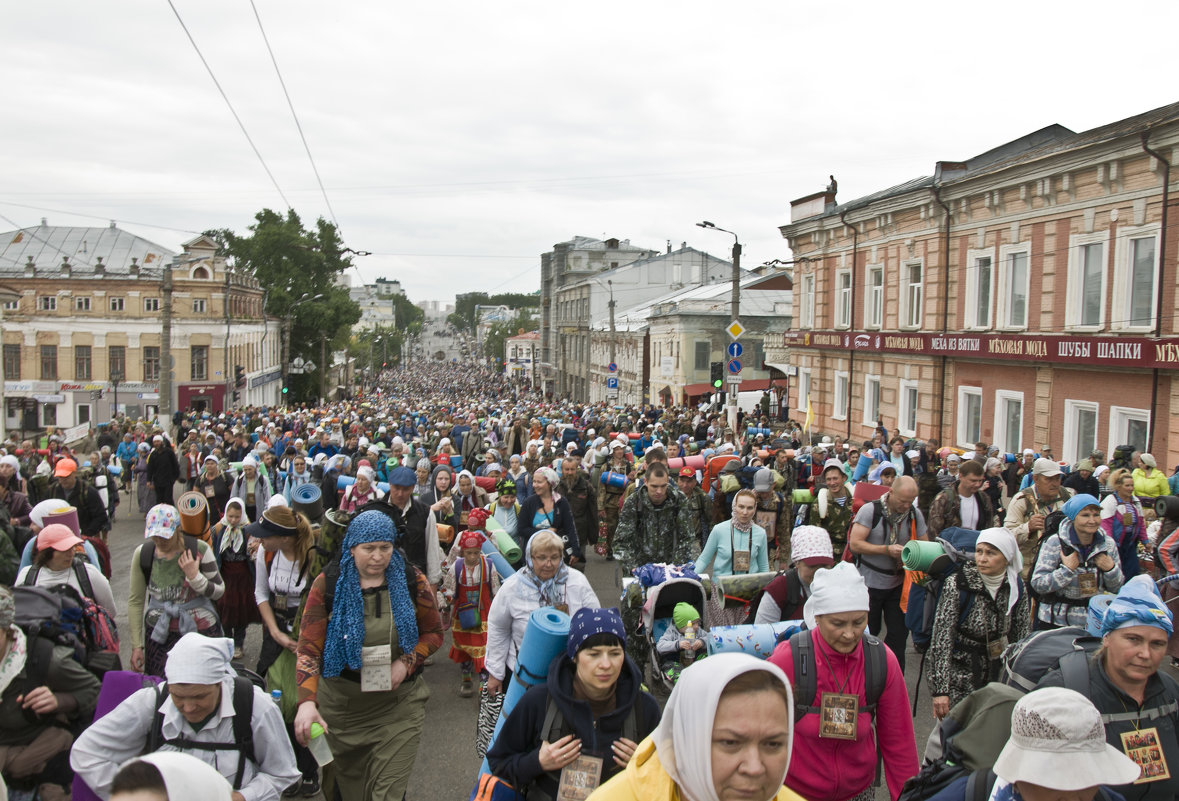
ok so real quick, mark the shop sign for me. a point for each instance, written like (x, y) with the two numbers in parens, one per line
(1105, 351)
(95, 387)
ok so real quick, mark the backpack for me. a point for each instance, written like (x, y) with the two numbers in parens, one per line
(794, 597)
(95, 628)
(806, 681)
(104, 554)
(1052, 523)
(493, 788)
(1027, 661)
(147, 554)
(50, 614)
(959, 544)
(243, 732)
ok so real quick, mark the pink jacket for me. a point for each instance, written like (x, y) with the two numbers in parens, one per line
(834, 770)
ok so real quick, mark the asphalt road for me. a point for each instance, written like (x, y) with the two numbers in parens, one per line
(446, 766)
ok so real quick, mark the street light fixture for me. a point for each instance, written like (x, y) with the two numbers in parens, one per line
(286, 338)
(736, 304)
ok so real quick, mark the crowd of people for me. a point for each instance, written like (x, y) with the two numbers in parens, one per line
(453, 500)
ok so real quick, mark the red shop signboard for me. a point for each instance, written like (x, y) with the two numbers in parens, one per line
(1107, 351)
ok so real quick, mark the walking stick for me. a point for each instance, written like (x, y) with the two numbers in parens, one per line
(917, 686)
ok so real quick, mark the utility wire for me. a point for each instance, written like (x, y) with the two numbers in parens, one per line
(232, 111)
(295, 116)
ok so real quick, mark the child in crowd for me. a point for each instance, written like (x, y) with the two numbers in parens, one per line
(237, 607)
(683, 641)
(468, 587)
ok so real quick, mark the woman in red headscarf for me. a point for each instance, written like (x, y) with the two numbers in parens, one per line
(469, 586)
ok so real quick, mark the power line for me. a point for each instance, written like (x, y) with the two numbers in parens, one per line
(99, 217)
(232, 111)
(298, 125)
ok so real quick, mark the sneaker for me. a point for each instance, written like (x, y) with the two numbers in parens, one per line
(428, 661)
(467, 688)
(310, 786)
(293, 791)
(237, 652)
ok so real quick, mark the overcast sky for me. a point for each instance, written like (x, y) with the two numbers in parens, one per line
(458, 141)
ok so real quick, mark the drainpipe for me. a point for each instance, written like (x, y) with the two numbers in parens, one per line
(1158, 315)
(855, 282)
(941, 397)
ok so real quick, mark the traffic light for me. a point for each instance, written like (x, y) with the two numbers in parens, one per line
(237, 396)
(239, 376)
(285, 390)
(716, 373)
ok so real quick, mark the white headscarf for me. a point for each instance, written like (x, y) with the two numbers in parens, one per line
(683, 738)
(833, 590)
(233, 536)
(1004, 542)
(187, 778)
(197, 659)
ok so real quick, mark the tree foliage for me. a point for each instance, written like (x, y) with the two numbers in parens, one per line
(494, 343)
(291, 262)
(463, 317)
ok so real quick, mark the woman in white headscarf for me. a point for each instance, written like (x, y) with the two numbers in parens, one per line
(726, 732)
(169, 776)
(834, 726)
(252, 488)
(984, 605)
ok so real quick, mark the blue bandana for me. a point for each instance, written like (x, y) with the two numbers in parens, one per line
(588, 622)
(345, 633)
(1138, 604)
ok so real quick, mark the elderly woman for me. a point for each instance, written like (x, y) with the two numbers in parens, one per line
(174, 582)
(1136, 700)
(200, 706)
(544, 581)
(1149, 481)
(546, 509)
(57, 563)
(10, 477)
(984, 605)
(422, 472)
(601, 710)
(252, 488)
(467, 497)
(856, 679)
(737, 545)
(214, 485)
(362, 491)
(42, 686)
(727, 733)
(1074, 564)
(145, 493)
(993, 483)
(368, 625)
(1123, 520)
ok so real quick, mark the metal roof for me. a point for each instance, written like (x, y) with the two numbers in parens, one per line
(49, 244)
(759, 302)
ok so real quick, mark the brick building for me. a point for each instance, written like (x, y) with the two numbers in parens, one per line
(1013, 297)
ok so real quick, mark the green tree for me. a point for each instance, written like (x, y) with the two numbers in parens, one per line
(293, 265)
(494, 343)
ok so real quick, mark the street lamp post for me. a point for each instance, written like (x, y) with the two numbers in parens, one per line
(286, 338)
(736, 309)
(116, 378)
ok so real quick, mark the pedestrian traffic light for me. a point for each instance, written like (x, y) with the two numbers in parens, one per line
(237, 396)
(716, 373)
(285, 390)
(239, 376)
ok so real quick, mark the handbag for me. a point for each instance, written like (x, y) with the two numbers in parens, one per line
(493, 788)
(489, 711)
(468, 616)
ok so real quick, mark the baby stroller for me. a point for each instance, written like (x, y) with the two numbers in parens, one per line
(661, 600)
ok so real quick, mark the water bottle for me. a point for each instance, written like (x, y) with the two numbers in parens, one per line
(688, 655)
(276, 696)
(318, 745)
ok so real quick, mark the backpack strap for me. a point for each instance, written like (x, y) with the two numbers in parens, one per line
(1074, 670)
(31, 576)
(550, 730)
(243, 732)
(83, 577)
(806, 683)
(979, 785)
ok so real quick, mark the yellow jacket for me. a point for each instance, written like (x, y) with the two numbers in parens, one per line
(1150, 486)
(645, 780)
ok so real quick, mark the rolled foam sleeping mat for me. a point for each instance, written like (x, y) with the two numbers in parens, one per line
(803, 496)
(1097, 606)
(546, 636)
(611, 479)
(308, 499)
(694, 462)
(633, 435)
(194, 513)
(501, 565)
(745, 585)
(920, 555)
(507, 546)
(456, 462)
(486, 482)
(67, 516)
(757, 639)
(344, 482)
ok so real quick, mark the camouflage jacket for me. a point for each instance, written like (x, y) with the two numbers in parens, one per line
(649, 533)
(837, 522)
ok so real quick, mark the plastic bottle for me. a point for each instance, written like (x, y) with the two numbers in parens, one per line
(276, 696)
(318, 745)
(688, 655)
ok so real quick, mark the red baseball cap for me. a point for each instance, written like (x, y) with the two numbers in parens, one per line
(687, 472)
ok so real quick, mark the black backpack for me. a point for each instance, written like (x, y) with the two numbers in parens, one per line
(147, 554)
(243, 732)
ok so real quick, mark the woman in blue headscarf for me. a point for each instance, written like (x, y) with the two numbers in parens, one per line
(1074, 564)
(368, 625)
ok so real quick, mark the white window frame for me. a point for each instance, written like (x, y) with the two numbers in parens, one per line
(903, 409)
(841, 387)
(966, 438)
(11, 305)
(1123, 253)
(1002, 304)
(151, 304)
(47, 303)
(117, 304)
(807, 302)
(199, 305)
(804, 388)
(1073, 303)
(1071, 407)
(82, 304)
(911, 319)
(843, 298)
(874, 298)
(1119, 416)
(871, 379)
(972, 320)
(1002, 396)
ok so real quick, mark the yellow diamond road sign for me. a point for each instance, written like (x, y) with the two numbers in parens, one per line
(735, 329)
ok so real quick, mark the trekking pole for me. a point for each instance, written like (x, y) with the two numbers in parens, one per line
(917, 686)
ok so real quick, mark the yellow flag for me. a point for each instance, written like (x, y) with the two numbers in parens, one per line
(810, 416)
